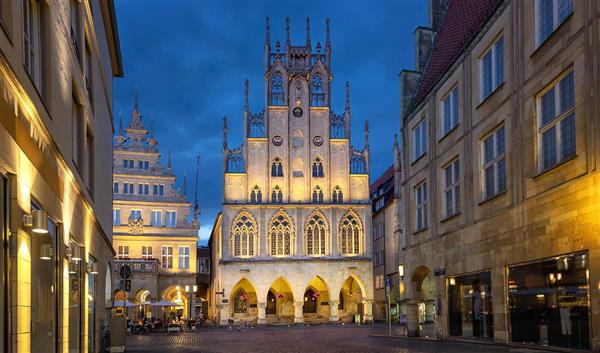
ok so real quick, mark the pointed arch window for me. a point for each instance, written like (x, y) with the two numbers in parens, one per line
(316, 235)
(317, 195)
(243, 234)
(276, 90)
(317, 96)
(351, 234)
(337, 196)
(281, 235)
(276, 195)
(317, 168)
(256, 195)
(277, 167)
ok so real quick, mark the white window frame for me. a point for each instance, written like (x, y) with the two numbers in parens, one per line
(168, 221)
(420, 193)
(451, 188)
(166, 258)
(116, 216)
(147, 252)
(493, 163)
(555, 122)
(184, 258)
(419, 139)
(123, 251)
(496, 81)
(556, 21)
(156, 222)
(453, 118)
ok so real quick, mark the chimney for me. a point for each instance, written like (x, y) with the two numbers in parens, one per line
(408, 86)
(437, 10)
(423, 39)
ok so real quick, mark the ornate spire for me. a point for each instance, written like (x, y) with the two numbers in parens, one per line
(184, 183)
(120, 138)
(267, 32)
(196, 208)
(246, 104)
(347, 96)
(327, 39)
(169, 161)
(136, 116)
(136, 106)
(366, 134)
(120, 123)
(308, 32)
(287, 32)
(225, 130)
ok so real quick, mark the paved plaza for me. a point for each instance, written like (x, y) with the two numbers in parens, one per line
(314, 339)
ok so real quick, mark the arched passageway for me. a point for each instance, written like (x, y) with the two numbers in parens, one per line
(315, 302)
(350, 307)
(424, 298)
(243, 301)
(177, 295)
(279, 306)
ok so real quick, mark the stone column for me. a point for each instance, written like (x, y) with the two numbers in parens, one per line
(223, 314)
(298, 313)
(412, 318)
(262, 313)
(368, 311)
(333, 311)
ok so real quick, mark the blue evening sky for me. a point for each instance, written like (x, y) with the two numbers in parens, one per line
(189, 60)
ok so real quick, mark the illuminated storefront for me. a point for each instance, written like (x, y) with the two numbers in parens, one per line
(549, 301)
(470, 306)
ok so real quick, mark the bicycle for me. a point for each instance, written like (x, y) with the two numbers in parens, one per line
(237, 327)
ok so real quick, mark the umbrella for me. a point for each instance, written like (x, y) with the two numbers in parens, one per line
(164, 303)
(125, 303)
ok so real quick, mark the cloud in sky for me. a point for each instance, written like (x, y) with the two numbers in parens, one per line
(189, 60)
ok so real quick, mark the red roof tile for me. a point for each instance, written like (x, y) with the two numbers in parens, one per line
(463, 21)
(389, 173)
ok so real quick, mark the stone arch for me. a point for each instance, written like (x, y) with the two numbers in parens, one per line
(351, 299)
(316, 299)
(175, 294)
(351, 234)
(316, 226)
(244, 235)
(279, 305)
(281, 236)
(243, 300)
(422, 315)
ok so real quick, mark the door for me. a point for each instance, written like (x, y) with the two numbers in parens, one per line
(310, 302)
(271, 304)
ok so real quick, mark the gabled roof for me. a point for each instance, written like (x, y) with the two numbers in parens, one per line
(463, 21)
(388, 174)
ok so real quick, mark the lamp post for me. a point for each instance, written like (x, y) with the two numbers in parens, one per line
(190, 296)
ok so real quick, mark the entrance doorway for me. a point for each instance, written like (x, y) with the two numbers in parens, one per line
(271, 304)
(310, 301)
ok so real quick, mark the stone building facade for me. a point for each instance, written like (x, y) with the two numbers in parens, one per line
(57, 64)
(153, 235)
(290, 244)
(499, 172)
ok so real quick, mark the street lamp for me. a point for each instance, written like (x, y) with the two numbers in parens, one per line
(191, 295)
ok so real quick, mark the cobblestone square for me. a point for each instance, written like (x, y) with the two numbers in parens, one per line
(314, 339)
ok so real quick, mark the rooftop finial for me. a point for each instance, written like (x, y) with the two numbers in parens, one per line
(225, 130)
(246, 104)
(366, 134)
(308, 32)
(120, 123)
(135, 100)
(151, 125)
(196, 209)
(347, 96)
(184, 182)
(287, 31)
(267, 32)
(327, 39)
(169, 160)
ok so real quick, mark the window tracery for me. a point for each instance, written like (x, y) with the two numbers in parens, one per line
(256, 195)
(277, 90)
(316, 235)
(317, 168)
(277, 167)
(351, 234)
(337, 195)
(317, 96)
(276, 195)
(317, 195)
(243, 233)
(280, 235)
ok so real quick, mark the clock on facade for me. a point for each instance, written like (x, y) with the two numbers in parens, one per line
(297, 112)
(317, 140)
(277, 140)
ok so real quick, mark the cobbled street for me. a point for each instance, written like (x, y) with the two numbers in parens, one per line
(314, 339)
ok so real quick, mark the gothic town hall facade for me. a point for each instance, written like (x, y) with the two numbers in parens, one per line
(291, 244)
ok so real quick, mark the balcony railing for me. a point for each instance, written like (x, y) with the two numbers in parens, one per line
(138, 265)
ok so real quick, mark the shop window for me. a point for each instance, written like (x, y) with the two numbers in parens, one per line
(75, 301)
(43, 289)
(549, 301)
(470, 306)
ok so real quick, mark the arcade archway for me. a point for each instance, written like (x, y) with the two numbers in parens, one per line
(350, 307)
(243, 301)
(315, 307)
(280, 303)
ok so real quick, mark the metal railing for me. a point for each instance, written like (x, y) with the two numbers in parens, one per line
(138, 265)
